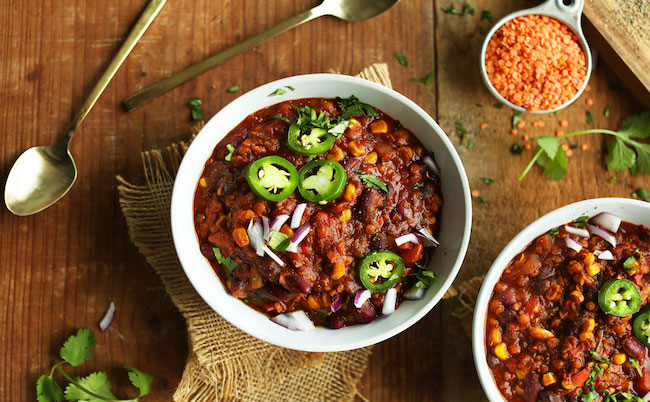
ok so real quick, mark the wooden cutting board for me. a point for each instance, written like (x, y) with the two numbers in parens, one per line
(620, 31)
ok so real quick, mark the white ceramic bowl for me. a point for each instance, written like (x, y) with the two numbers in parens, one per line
(454, 230)
(634, 211)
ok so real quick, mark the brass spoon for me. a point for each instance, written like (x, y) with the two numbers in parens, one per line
(42, 175)
(348, 10)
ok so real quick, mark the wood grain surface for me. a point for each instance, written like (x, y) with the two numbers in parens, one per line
(60, 268)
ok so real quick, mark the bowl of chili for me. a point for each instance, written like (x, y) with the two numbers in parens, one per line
(563, 313)
(301, 172)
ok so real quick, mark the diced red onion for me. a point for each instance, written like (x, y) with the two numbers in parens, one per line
(266, 227)
(108, 317)
(572, 244)
(337, 302)
(427, 238)
(431, 164)
(414, 293)
(295, 321)
(598, 231)
(297, 237)
(646, 398)
(279, 220)
(606, 255)
(577, 231)
(406, 238)
(255, 236)
(297, 215)
(271, 254)
(607, 221)
(361, 297)
(390, 301)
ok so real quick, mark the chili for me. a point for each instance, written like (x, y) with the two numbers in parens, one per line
(272, 178)
(619, 297)
(321, 180)
(641, 326)
(380, 270)
(317, 142)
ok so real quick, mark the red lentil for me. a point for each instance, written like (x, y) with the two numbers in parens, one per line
(513, 131)
(521, 124)
(483, 126)
(583, 147)
(475, 193)
(589, 101)
(564, 123)
(535, 62)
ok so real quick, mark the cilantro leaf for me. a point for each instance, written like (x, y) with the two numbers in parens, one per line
(353, 107)
(231, 150)
(550, 145)
(425, 277)
(419, 185)
(280, 117)
(487, 180)
(590, 117)
(96, 383)
(140, 380)
(620, 157)
(516, 118)
(278, 91)
(47, 390)
(641, 193)
(76, 350)
(636, 126)
(232, 89)
(468, 9)
(486, 15)
(643, 158)
(451, 10)
(195, 108)
(554, 231)
(371, 181)
(482, 199)
(606, 112)
(425, 80)
(470, 144)
(498, 105)
(401, 58)
(278, 240)
(227, 262)
(516, 149)
(556, 168)
(338, 130)
(290, 88)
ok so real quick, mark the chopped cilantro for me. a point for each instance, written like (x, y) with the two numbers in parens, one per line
(516, 118)
(280, 117)
(425, 277)
(482, 199)
(470, 144)
(231, 150)
(580, 222)
(278, 91)
(451, 10)
(486, 15)
(468, 9)
(629, 262)
(460, 127)
(425, 80)
(290, 88)
(353, 107)
(371, 180)
(232, 89)
(606, 112)
(227, 262)
(401, 58)
(498, 105)
(516, 149)
(195, 108)
(419, 185)
(554, 231)
(641, 193)
(487, 180)
(590, 117)
(635, 364)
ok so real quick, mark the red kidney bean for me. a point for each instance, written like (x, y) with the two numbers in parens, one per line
(633, 347)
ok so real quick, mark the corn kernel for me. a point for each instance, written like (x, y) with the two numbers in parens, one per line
(500, 351)
(241, 237)
(589, 325)
(345, 215)
(619, 358)
(540, 333)
(335, 154)
(495, 336)
(553, 292)
(203, 182)
(350, 193)
(521, 373)
(354, 122)
(593, 269)
(356, 149)
(371, 157)
(587, 336)
(577, 296)
(286, 229)
(259, 208)
(379, 127)
(548, 379)
(589, 259)
(433, 220)
(312, 302)
(338, 271)
(567, 385)
(249, 214)
(590, 306)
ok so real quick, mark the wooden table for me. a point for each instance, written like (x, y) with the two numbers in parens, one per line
(60, 268)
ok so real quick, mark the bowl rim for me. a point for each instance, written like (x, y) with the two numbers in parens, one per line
(184, 174)
(538, 227)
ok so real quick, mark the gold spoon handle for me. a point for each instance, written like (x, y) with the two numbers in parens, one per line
(148, 15)
(148, 94)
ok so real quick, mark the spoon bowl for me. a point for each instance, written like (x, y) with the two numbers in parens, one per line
(39, 178)
(358, 10)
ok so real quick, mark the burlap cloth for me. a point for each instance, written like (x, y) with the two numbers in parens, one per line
(225, 363)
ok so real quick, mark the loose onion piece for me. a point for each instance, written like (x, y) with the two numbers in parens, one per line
(414, 293)
(108, 317)
(299, 236)
(577, 231)
(295, 321)
(606, 255)
(406, 238)
(600, 232)
(390, 301)
(266, 227)
(255, 236)
(572, 244)
(607, 221)
(431, 164)
(279, 220)
(361, 297)
(337, 302)
(277, 259)
(427, 237)
(297, 215)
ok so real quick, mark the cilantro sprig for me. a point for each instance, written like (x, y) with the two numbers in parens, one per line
(95, 386)
(425, 277)
(227, 262)
(371, 180)
(195, 108)
(623, 151)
